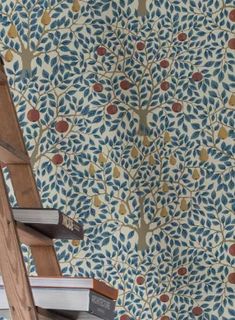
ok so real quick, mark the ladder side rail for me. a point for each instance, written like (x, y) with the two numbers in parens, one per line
(12, 265)
(22, 177)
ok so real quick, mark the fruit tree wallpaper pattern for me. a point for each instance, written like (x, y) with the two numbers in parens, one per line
(128, 112)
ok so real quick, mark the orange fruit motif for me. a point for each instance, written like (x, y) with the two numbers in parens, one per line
(232, 249)
(140, 46)
(164, 64)
(182, 36)
(125, 84)
(232, 15)
(98, 87)
(231, 278)
(140, 280)
(57, 159)
(231, 44)
(62, 126)
(177, 107)
(165, 85)
(112, 109)
(197, 76)
(197, 311)
(33, 115)
(182, 271)
(164, 298)
(101, 51)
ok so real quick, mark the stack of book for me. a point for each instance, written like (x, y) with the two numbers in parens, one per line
(71, 298)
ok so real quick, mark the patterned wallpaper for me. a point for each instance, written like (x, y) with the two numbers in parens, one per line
(128, 112)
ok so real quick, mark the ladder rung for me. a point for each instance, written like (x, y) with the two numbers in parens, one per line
(32, 237)
(10, 155)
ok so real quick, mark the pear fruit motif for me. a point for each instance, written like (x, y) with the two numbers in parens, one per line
(12, 32)
(167, 137)
(173, 160)
(231, 101)
(75, 243)
(204, 155)
(97, 202)
(122, 209)
(163, 212)
(183, 205)
(116, 173)
(152, 161)
(91, 170)
(8, 56)
(146, 141)
(46, 19)
(165, 187)
(134, 152)
(76, 6)
(196, 174)
(102, 159)
(223, 133)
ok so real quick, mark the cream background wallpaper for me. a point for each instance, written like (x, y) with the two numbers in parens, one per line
(128, 111)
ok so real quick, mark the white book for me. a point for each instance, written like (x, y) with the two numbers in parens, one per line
(37, 215)
(70, 294)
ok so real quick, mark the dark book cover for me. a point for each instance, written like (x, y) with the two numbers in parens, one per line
(67, 228)
(101, 306)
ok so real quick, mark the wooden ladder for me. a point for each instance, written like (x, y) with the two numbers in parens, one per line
(12, 234)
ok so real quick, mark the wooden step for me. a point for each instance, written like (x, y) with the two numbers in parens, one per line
(31, 237)
(10, 155)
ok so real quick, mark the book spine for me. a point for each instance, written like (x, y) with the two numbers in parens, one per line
(71, 225)
(101, 306)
